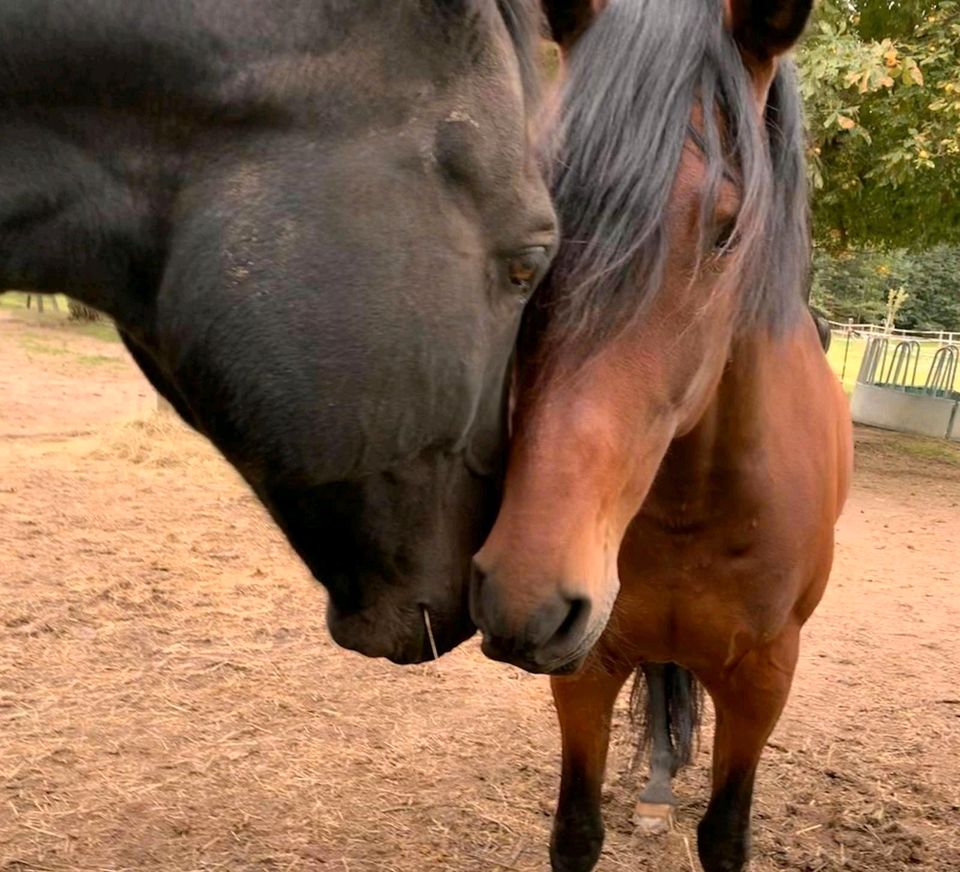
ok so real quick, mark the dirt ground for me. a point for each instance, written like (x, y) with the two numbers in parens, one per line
(170, 700)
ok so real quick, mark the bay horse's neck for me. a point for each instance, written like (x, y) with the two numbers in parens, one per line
(703, 469)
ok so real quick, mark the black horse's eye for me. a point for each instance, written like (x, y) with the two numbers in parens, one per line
(527, 268)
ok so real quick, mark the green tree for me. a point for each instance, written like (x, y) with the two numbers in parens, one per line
(858, 284)
(933, 280)
(881, 82)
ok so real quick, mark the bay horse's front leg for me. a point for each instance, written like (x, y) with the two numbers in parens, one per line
(749, 699)
(585, 707)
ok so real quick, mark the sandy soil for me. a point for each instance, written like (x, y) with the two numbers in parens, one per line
(169, 699)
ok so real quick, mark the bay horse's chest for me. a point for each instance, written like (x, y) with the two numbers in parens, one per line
(714, 576)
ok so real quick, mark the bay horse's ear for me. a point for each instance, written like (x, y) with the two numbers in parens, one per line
(569, 19)
(765, 29)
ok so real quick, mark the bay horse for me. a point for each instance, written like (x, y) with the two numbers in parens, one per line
(316, 224)
(681, 450)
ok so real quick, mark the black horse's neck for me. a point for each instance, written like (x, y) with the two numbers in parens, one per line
(106, 106)
(96, 101)
(71, 219)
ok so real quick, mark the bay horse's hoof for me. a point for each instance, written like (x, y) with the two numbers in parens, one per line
(576, 844)
(563, 863)
(653, 819)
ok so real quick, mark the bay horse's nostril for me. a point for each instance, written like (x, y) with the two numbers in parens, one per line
(540, 636)
(575, 621)
(565, 636)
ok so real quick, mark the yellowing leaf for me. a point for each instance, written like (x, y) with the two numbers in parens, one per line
(916, 74)
(845, 122)
(890, 58)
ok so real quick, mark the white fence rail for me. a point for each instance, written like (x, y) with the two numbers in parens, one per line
(944, 337)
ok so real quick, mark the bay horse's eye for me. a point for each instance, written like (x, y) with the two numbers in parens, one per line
(725, 238)
(527, 268)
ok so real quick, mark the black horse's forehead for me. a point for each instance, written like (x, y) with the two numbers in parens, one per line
(189, 50)
(475, 22)
(352, 66)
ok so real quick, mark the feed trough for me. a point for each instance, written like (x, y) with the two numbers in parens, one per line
(892, 393)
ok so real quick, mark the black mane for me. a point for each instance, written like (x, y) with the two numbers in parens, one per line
(633, 83)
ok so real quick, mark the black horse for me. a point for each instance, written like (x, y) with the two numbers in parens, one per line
(315, 223)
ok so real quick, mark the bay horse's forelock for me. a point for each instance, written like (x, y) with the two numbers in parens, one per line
(614, 154)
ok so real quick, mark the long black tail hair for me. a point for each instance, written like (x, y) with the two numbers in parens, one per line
(684, 699)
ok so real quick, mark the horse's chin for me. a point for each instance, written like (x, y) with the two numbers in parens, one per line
(397, 634)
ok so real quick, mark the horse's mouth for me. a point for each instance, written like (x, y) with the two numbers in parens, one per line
(401, 635)
(506, 653)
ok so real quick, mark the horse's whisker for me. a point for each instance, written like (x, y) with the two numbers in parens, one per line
(427, 624)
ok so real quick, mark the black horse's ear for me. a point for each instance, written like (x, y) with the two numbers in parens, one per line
(569, 19)
(767, 28)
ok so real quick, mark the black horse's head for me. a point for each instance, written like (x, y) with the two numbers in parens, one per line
(316, 224)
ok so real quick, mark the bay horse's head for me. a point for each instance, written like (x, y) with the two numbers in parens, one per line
(679, 180)
(316, 224)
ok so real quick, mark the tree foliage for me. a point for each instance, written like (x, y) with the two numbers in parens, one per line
(857, 285)
(881, 82)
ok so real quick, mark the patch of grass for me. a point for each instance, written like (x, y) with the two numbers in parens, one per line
(12, 300)
(56, 319)
(97, 360)
(894, 450)
(47, 345)
(105, 331)
(40, 345)
(930, 449)
(18, 300)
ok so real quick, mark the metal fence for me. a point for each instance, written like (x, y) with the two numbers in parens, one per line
(945, 337)
(921, 354)
(897, 366)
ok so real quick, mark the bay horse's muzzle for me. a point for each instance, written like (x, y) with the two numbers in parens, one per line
(549, 636)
